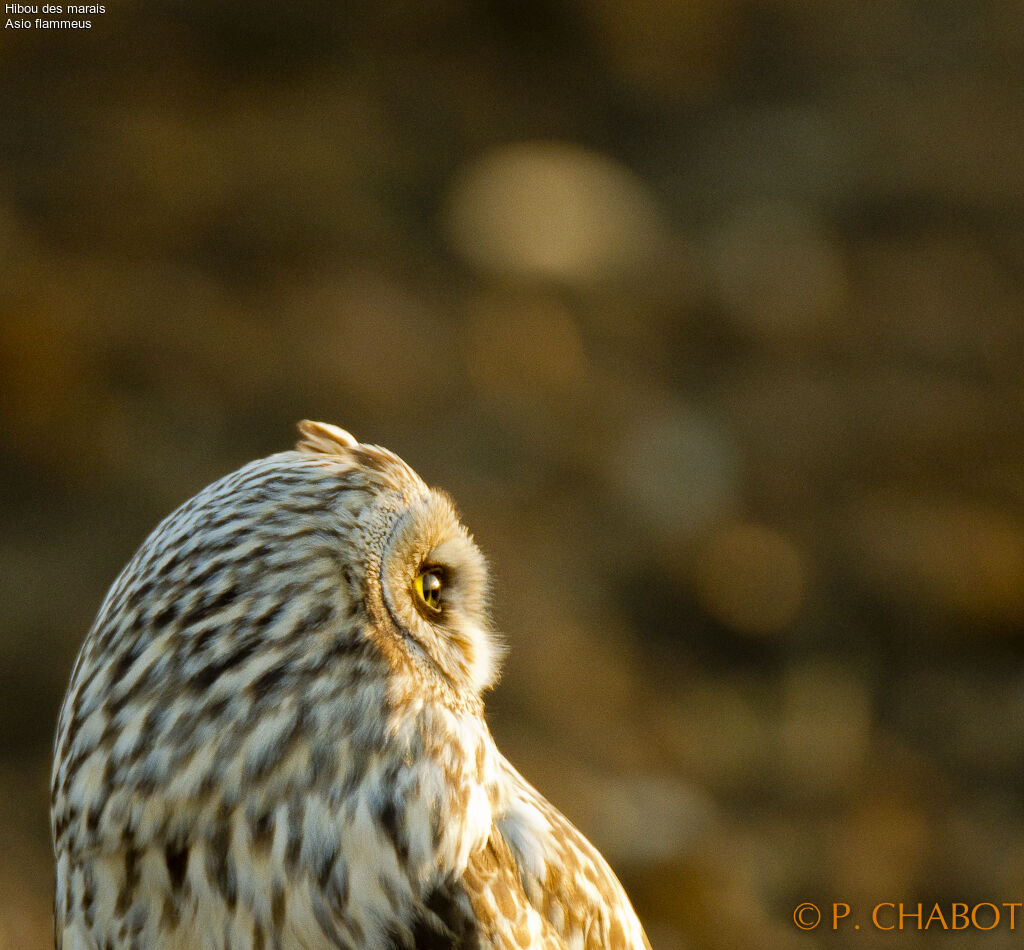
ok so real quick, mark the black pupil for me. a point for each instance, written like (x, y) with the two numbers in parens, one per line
(432, 587)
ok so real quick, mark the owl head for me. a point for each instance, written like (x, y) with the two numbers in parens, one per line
(423, 579)
(258, 586)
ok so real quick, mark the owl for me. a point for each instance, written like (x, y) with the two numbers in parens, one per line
(274, 738)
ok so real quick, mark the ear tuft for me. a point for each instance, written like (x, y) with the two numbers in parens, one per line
(321, 438)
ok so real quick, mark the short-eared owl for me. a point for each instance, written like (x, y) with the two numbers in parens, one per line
(274, 739)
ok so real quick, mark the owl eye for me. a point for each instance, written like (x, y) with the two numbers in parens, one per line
(428, 584)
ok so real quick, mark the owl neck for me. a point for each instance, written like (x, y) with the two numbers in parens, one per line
(440, 780)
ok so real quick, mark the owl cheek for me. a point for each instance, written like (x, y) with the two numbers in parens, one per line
(486, 668)
(478, 653)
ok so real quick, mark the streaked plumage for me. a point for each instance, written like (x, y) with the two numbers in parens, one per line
(274, 735)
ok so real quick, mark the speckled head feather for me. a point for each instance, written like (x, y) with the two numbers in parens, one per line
(274, 736)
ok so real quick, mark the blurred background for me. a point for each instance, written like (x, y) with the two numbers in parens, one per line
(708, 313)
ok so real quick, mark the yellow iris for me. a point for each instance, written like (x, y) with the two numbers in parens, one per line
(428, 584)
